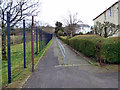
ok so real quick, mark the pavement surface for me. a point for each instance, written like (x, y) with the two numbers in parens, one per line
(78, 73)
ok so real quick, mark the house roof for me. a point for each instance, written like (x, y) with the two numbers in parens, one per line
(106, 9)
(82, 25)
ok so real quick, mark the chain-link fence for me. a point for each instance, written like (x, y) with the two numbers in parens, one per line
(19, 51)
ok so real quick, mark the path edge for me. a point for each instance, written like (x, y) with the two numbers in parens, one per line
(89, 60)
(22, 84)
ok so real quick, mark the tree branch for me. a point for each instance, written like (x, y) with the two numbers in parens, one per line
(17, 21)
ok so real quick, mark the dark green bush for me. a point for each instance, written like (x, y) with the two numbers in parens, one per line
(111, 50)
(81, 33)
(65, 39)
(60, 33)
(93, 46)
(85, 44)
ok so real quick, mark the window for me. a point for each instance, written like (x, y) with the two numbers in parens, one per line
(105, 15)
(110, 12)
(111, 29)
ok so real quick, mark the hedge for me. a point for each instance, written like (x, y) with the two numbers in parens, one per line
(95, 46)
(111, 50)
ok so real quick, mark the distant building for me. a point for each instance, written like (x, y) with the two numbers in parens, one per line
(84, 28)
(112, 15)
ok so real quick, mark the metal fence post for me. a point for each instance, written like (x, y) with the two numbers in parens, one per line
(39, 40)
(8, 47)
(36, 41)
(24, 43)
(45, 38)
(13, 37)
(32, 44)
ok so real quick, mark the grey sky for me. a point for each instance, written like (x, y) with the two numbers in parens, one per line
(57, 10)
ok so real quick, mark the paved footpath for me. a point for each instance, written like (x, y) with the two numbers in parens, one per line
(78, 74)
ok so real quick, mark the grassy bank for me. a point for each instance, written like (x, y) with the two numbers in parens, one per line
(95, 47)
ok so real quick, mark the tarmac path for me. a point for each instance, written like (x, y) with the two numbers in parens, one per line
(78, 73)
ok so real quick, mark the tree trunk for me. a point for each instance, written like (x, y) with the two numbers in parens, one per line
(4, 57)
(95, 30)
(100, 34)
(105, 35)
(71, 34)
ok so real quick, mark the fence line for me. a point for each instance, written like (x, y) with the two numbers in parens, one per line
(8, 47)
(21, 53)
(24, 43)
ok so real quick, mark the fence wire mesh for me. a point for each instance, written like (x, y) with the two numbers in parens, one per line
(18, 71)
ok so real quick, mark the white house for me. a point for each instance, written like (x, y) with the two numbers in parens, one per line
(84, 28)
(112, 15)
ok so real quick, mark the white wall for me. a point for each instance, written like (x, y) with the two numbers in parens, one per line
(83, 30)
(119, 14)
(112, 19)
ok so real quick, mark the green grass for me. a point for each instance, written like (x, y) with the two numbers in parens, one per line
(18, 72)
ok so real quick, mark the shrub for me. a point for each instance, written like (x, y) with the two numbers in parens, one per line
(111, 50)
(60, 33)
(86, 44)
(93, 46)
(81, 33)
(65, 39)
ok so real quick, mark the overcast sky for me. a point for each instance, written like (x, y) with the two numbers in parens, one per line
(57, 10)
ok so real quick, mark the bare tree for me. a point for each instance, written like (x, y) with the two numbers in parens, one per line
(19, 9)
(106, 29)
(109, 29)
(71, 22)
(98, 28)
(58, 27)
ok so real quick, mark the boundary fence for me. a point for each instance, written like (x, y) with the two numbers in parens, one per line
(22, 49)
